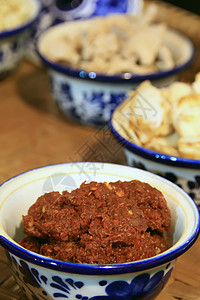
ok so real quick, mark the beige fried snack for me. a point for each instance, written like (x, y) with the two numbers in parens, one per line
(196, 84)
(146, 42)
(165, 145)
(113, 44)
(165, 60)
(189, 147)
(121, 125)
(148, 113)
(186, 116)
(177, 90)
(121, 122)
(61, 50)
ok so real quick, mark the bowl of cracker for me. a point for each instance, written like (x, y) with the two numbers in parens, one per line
(16, 20)
(159, 131)
(93, 63)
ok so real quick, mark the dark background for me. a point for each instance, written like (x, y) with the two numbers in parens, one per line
(191, 5)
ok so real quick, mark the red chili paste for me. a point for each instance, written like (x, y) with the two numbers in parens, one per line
(99, 223)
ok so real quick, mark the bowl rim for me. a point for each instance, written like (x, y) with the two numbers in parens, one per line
(125, 78)
(155, 156)
(101, 269)
(21, 27)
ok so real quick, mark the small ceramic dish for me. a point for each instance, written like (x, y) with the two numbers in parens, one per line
(13, 41)
(90, 97)
(41, 277)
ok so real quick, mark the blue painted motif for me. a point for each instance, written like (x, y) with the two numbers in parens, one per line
(66, 91)
(141, 287)
(65, 286)
(14, 46)
(93, 107)
(1, 55)
(28, 277)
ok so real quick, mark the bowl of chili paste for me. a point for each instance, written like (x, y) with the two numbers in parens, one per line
(99, 223)
(94, 230)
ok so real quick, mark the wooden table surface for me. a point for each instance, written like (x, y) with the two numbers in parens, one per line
(34, 133)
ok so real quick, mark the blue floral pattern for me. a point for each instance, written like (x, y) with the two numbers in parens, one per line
(1, 55)
(11, 53)
(29, 279)
(65, 287)
(142, 286)
(89, 107)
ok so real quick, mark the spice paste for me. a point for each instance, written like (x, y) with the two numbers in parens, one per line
(99, 223)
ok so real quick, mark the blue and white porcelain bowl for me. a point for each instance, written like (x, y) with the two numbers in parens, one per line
(13, 41)
(181, 171)
(45, 278)
(89, 97)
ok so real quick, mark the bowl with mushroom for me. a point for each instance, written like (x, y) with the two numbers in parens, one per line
(93, 63)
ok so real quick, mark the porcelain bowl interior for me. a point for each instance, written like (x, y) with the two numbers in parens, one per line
(89, 97)
(43, 277)
(13, 41)
(181, 171)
